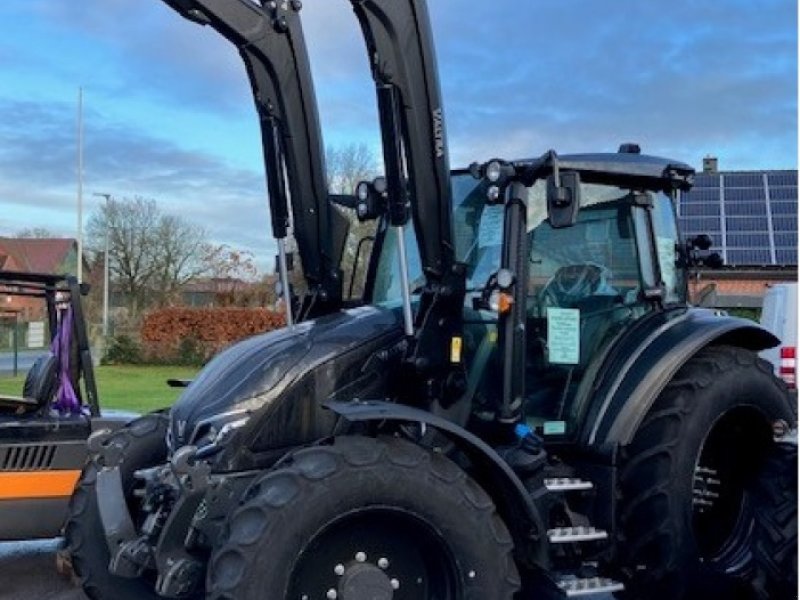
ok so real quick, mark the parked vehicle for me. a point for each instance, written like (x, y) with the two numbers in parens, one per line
(779, 316)
(522, 399)
(43, 431)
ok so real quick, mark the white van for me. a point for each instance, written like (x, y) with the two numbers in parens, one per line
(779, 315)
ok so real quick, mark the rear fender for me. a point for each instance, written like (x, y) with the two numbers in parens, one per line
(638, 378)
(513, 502)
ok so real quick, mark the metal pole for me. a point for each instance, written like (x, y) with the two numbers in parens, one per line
(80, 185)
(15, 337)
(105, 266)
(284, 275)
(105, 290)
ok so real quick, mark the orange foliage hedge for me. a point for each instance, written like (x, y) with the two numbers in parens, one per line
(166, 331)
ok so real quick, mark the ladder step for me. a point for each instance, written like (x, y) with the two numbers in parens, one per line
(565, 484)
(569, 535)
(590, 586)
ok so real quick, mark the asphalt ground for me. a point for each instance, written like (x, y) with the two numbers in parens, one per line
(28, 572)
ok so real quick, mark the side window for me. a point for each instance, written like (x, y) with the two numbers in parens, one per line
(666, 233)
(387, 290)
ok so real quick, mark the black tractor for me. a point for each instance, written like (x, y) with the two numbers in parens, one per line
(43, 429)
(521, 405)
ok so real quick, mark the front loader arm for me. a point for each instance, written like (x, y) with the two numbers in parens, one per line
(271, 43)
(400, 45)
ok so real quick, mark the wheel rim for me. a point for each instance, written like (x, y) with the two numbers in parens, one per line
(721, 516)
(375, 554)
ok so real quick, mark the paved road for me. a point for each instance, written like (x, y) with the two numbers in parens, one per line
(27, 571)
(24, 361)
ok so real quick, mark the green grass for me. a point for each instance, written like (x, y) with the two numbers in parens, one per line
(137, 388)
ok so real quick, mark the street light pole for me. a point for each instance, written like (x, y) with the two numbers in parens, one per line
(105, 270)
(80, 185)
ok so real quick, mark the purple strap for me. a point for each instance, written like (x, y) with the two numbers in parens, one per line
(66, 400)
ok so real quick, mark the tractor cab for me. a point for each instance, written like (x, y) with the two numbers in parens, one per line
(619, 260)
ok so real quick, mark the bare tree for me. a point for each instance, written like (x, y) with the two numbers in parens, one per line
(235, 271)
(179, 248)
(35, 232)
(151, 254)
(347, 166)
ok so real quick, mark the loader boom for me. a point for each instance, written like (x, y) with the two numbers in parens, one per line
(271, 43)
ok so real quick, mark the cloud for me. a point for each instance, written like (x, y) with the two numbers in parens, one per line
(692, 77)
(683, 78)
(38, 183)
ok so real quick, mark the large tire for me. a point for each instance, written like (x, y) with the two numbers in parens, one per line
(775, 534)
(141, 444)
(367, 518)
(703, 441)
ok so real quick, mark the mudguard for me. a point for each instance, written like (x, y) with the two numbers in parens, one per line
(634, 378)
(514, 504)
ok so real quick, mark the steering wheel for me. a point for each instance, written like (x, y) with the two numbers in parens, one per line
(572, 283)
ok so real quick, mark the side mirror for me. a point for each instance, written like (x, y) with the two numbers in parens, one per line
(714, 261)
(563, 199)
(701, 242)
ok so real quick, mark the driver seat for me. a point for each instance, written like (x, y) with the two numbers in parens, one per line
(40, 386)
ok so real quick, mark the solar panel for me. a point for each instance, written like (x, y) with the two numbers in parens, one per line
(748, 240)
(783, 193)
(784, 224)
(752, 202)
(746, 209)
(706, 209)
(702, 195)
(743, 180)
(786, 256)
(786, 239)
(749, 256)
(745, 194)
(784, 208)
(777, 178)
(746, 224)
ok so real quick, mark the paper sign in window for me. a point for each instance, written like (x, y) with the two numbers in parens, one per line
(564, 335)
(491, 227)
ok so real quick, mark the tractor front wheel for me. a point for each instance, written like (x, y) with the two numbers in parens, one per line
(141, 444)
(365, 518)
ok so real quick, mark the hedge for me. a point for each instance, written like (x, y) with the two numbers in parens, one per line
(192, 335)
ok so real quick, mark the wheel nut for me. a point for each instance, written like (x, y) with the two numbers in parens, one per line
(339, 570)
(331, 595)
(395, 584)
(383, 563)
(361, 556)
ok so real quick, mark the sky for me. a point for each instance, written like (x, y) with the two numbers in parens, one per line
(168, 112)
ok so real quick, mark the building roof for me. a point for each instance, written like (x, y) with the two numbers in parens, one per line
(750, 215)
(35, 255)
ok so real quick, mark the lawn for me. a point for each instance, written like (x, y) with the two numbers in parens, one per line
(137, 388)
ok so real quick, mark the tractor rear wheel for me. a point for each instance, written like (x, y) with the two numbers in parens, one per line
(363, 519)
(687, 478)
(775, 533)
(141, 444)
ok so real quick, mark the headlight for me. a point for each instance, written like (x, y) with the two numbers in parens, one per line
(213, 433)
(493, 171)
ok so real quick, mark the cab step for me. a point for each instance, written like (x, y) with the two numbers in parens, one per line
(567, 484)
(570, 535)
(589, 586)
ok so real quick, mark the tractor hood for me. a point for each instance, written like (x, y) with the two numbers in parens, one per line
(253, 376)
